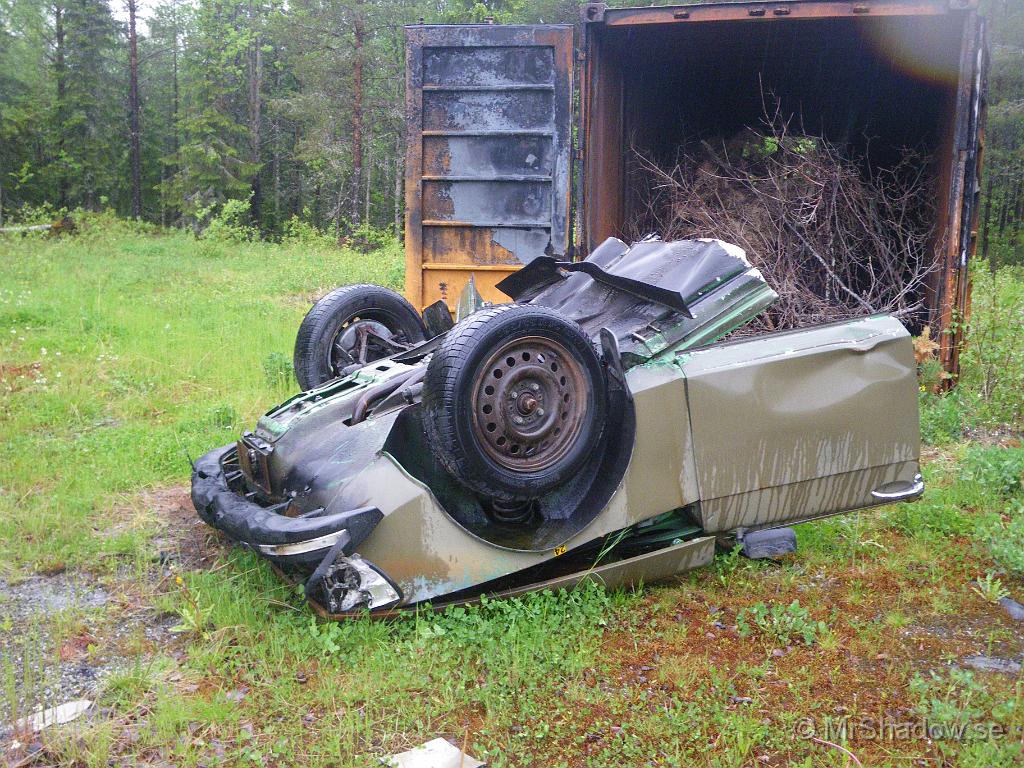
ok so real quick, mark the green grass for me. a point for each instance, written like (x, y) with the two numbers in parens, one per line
(169, 346)
(123, 356)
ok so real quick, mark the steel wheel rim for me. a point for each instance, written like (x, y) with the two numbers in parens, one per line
(345, 348)
(530, 400)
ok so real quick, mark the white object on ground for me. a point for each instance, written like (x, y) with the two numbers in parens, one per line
(437, 753)
(58, 715)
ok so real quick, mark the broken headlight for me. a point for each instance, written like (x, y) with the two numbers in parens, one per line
(352, 583)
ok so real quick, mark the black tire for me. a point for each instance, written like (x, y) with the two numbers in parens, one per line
(318, 358)
(473, 394)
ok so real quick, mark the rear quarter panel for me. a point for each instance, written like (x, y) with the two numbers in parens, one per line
(801, 424)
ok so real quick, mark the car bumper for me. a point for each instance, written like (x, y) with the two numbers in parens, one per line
(296, 542)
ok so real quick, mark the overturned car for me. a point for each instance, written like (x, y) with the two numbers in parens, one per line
(592, 428)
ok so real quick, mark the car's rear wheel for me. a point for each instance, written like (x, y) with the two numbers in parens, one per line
(351, 327)
(514, 401)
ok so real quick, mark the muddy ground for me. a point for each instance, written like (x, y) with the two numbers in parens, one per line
(65, 633)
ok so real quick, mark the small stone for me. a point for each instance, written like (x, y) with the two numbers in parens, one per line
(166, 558)
(1015, 609)
(992, 664)
(778, 652)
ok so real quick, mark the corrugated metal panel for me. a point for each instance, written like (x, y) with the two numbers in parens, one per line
(488, 153)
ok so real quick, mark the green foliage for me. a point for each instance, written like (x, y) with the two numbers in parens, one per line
(726, 564)
(993, 360)
(780, 624)
(43, 213)
(232, 224)
(999, 471)
(943, 417)
(952, 698)
(931, 517)
(960, 711)
(165, 352)
(930, 375)
(224, 416)
(763, 147)
(990, 588)
(1004, 538)
(366, 238)
(278, 368)
(194, 615)
(297, 231)
(1001, 239)
(530, 636)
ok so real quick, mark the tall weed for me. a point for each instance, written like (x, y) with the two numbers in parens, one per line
(992, 364)
(999, 471)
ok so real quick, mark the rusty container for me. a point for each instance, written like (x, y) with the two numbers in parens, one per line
(518, 135)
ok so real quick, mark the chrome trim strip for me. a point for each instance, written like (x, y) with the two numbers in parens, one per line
(914, 490)
(301, 547)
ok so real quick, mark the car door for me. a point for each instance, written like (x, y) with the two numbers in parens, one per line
(803, 423)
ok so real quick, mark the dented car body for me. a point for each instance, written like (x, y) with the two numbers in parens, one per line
(367, 490)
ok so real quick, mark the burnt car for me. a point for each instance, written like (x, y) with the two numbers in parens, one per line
(592, 427)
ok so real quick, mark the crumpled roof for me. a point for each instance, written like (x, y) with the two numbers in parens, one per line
(712, 278)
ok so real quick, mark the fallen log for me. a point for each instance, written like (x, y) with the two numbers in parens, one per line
(33, 228)
(62, 225)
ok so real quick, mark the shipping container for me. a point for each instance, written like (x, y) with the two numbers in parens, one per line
(519, 136)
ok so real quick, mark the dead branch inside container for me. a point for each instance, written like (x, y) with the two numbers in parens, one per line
(835, 237)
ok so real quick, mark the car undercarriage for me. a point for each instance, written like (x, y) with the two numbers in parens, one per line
(593, 427)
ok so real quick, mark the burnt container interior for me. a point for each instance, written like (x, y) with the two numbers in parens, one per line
(870, 86)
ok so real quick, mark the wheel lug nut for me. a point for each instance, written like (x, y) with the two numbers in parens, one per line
(535, 386)
(517, 419)
(514, 395)
(540, 411)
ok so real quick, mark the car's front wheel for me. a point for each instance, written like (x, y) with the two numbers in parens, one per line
(351, 327)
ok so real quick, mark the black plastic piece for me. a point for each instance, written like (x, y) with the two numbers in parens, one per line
(531, 279)
(653, 293)
(612, 359)
(438, 319)
(253, 525)
(336, 551)
(544, 271)
(774, 542)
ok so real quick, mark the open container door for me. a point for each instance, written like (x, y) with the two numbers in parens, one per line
(488, 119)
(965, 152)
(872, 77)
